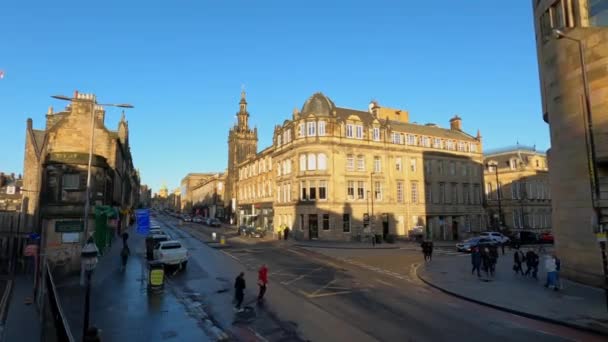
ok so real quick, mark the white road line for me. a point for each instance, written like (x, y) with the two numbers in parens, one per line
(230, 255)
(385, 283)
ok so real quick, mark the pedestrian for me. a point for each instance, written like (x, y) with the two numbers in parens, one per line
(518, 257)
(529, 261)
(551, 268)
(558, 265)
(502, 246)
(125, 237)
(262, 281)
(485, 260)
(124, 255)
(239, 291)
(430, 247)
(476, 260)
(425, 249)
(92, 335)
(535, 262)
(493, 259)
(286, 233)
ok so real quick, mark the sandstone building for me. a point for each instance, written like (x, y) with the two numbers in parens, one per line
(523, 186)
(577, 114)
(208, 196)
(55, 175)
(341, 174)
(188, 183)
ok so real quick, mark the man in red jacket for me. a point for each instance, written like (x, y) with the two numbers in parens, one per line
(262, 281)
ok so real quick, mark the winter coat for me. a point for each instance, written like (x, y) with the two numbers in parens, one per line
(263, 275)
(476, 258)
(239, 284)
(550, 264)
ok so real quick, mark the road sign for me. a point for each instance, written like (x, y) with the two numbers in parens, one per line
(142, 218)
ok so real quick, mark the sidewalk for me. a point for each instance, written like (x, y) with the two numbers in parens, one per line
(22, 320)
(575, 305)
(122, 307)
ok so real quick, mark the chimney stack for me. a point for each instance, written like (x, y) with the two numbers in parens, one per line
(456, 123)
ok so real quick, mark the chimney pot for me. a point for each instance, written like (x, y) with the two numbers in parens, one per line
(29, 123)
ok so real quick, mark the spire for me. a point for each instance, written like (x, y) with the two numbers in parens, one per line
(478, 134)
(242, 115)
(122, 117)
(50, 111)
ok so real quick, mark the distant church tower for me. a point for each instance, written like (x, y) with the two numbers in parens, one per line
(242, 143)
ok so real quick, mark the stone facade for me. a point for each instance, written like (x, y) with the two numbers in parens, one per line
(188, 183)
(330, 168)
(523, 185)
(208, 196)
(579, 147)
(11, 190)
(55, 175)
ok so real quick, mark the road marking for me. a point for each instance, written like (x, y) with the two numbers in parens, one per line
(230, 255)
(329, 294)
(385, 283)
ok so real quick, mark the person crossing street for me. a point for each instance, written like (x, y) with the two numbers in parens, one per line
(262, 282)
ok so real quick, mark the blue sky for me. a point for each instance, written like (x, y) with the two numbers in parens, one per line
(182, 64)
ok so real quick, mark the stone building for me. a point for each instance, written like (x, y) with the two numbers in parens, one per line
(145, 196)
(55, 167)
(242, 144)
(575, 105)
(208, 196)
(341, 174)
(523, 187)
(188, 183)
(11, 190)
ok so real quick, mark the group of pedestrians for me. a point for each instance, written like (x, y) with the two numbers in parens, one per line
(484, 259)
(532, 260)
(240, 285)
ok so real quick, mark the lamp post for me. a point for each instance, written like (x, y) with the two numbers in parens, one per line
(495, 166)
(92, 100)
(89, 262)
(591, 156)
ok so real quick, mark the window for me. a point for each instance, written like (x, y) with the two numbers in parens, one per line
(512, 164)
(349, 131)
(303, 196)
(413, 164)
(302, 162)
(289, 135)
(598, 12)
(279, 193)
(473, 147)
(279, 139)
(301, 221)
(398, 164)
(302, 130)
(476, 194)
(377, 164)
(312, 129)
(514, 190)
(400, 192)
(325, 221)
(321, 128)
(464, 169)
(284, 167)
(426, 141)
(442, 195)
(454, 191)
(376, 134)
(428, 193)
(461, 146)
(414, 192)
(360, 163)
(288, 166)
(378, 191)
(436, 143)
(359, 132)
(440, 167)
(452, 169)
(322, 161)
(466, 194)
(395, 138)
(350, 163)
(286, 196)
(450, 145)
(346, 223)
(489, 191)
(411, 139)
(312, 161)
(312, 190)
(322, 190)
(361, 190)
(350, 190)
(70, 181)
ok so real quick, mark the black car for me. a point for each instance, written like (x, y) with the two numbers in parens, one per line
(214, 222)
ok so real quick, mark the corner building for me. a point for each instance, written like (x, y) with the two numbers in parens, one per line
(341, 174)
(579, 147)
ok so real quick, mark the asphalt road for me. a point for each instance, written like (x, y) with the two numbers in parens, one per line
(378, 293)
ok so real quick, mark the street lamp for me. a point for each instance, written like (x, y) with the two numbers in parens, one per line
(590, 146)
(89, 262)
(494, 164)
(92, 100)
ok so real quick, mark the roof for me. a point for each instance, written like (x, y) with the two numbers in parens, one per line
(38, 137)
(517, 148)
(318, 104)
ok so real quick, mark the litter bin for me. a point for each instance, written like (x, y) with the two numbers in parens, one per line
(156, 276)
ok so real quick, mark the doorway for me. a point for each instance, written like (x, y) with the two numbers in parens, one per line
(313, 226)
(455, 230)
(384, 226)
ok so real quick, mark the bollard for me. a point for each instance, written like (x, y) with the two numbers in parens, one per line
(213, 236)
(222, 240)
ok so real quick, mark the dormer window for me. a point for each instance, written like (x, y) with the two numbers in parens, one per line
(376, 134)
(350, 131)
(312, 129)
(513, 163)
(321, 128)
(359, 131)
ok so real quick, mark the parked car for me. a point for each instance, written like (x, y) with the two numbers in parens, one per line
(187, 218)
(158, 231)
(214, 222)
(546, 237)
(171, 253)
(468, 244)
(152, 240)
(197, 219)
(495, 236)
(251, 231)
(524, 238)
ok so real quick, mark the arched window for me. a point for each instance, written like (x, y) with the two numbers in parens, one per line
(312, 161)
(302, 162)
(322, 161)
